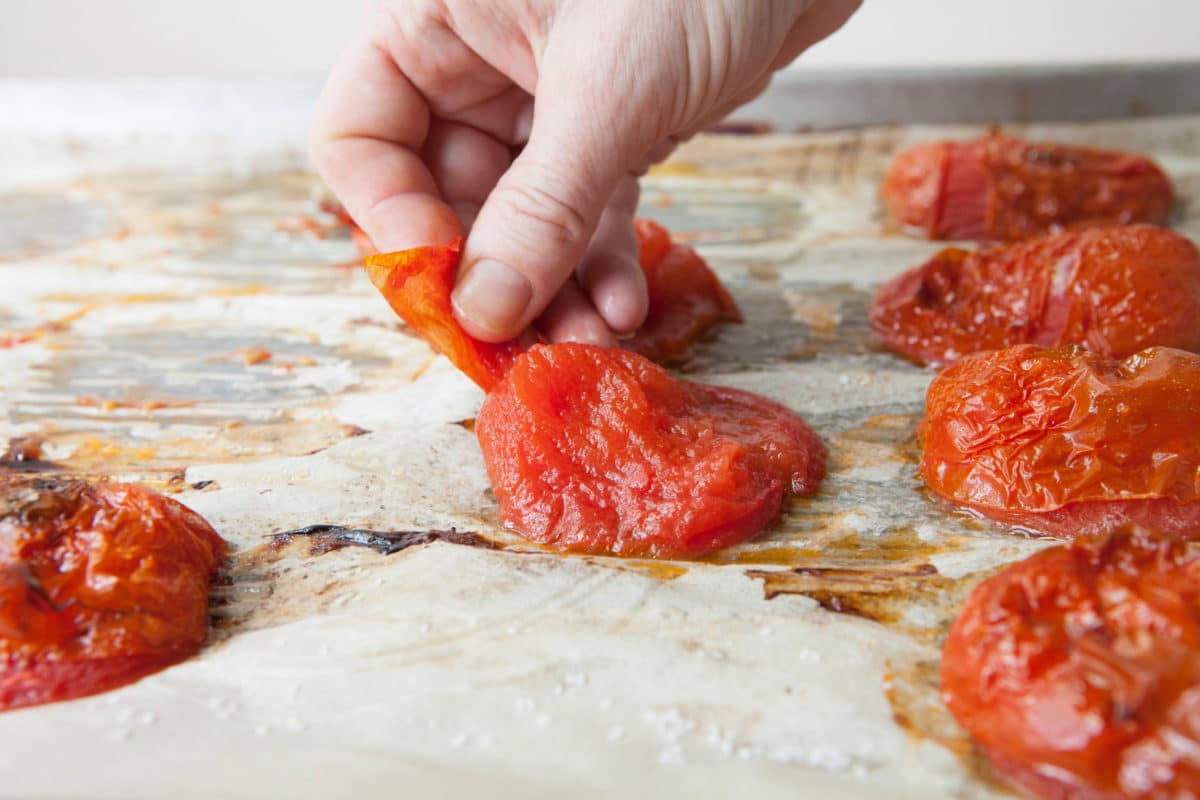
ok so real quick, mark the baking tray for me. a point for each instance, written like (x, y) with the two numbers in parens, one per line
(441, 654)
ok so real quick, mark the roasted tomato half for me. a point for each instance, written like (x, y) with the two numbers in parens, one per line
(687, 299)
(601, 451)
(99, 585)
(998, 188)
(1115, 290)
(1067, 442)
(1078, 669)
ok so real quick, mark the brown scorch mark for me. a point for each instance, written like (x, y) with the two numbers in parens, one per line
(323, 539)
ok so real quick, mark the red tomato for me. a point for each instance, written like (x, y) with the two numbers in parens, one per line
(1116, 290)
(601, 451)
(417, 285)
(999, 188)
(1078, 669)
(99, 586)
(1068, 442)
(687, 299)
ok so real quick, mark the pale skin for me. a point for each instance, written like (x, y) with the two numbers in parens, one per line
(524, 125)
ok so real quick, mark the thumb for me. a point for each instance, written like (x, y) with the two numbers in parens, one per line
(535, 226)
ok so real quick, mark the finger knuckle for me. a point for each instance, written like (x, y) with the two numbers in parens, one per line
(544, 215)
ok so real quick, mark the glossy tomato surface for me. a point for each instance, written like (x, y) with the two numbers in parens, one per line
(601, 451)
(999, 188)
(99, 586)
(1067, 442)
(417, 284)
(1078, 669)
(687, 299)
(1115, 290)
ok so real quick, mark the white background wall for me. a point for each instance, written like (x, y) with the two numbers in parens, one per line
(301, 37)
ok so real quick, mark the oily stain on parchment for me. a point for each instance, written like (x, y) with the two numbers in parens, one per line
(861, 546)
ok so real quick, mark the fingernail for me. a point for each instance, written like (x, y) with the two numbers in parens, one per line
(494, 296)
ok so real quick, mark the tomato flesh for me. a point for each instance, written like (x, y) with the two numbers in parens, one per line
(1068, 442)
(1078, 669)
(1000, 188)
(1115, 290)
(601, 451)
(99, 585)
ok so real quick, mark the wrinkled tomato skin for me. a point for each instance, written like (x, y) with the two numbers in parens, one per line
(1067, 442)
(1078, 669)
(1115, 290)
(600, 451)
(687, 299)
(999, 188)
(99, 585)
(417, 284)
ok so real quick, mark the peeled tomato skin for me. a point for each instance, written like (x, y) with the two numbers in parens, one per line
(1115, 290)
(601, 451)
(1078, 669)
(687, 300)
(1003, 189)
(417, 284)
(1067, 442)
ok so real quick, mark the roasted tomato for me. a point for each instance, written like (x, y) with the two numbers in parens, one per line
(1078, 669)
(1068, 442)
(601, 451)
(417, 285)
(997, 188)
(687, 299)
(99, 586)
(1115, 290)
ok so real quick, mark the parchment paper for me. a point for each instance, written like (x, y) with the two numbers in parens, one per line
(802, 665)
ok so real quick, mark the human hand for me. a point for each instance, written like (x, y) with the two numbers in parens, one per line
(526, 123)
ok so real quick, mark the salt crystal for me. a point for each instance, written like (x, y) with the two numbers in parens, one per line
(672, 756)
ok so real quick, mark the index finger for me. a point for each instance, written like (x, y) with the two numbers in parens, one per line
(367, 136)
